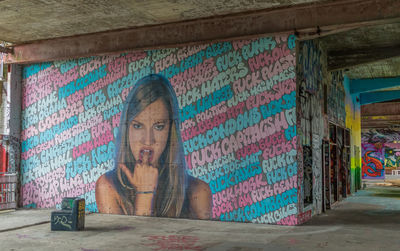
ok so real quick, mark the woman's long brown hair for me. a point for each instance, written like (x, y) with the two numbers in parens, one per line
(170, 194)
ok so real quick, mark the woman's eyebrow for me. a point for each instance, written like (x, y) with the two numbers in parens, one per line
(136, 122)
(161, 121)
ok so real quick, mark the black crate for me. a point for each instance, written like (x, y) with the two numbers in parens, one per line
(71, 217)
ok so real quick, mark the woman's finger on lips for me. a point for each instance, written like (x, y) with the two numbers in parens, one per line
(124, 169)
(127, 173)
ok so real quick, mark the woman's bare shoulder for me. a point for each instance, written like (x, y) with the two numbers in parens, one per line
(106, 195)
(104, 183)
(197, 185)
(200, 198)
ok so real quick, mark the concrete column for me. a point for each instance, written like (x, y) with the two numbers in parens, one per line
(15, 102)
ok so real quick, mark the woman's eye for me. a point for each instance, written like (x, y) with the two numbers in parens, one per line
(137, 126)
(159, 127)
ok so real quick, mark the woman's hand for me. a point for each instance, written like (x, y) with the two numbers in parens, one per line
(144, 178)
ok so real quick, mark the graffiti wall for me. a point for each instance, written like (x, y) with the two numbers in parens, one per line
(5, 104)
(389, 135)
(373, 159)
(392, 157)
(310, 120)
(386, 139)
(321, 102)
(336, 98)
(211, 136)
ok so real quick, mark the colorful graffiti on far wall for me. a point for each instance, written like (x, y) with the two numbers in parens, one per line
(373, 159)
(388, 135)
(225, 116)
(392, 157)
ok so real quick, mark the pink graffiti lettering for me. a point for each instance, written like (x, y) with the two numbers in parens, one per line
(278, 149)
(101, 83)
(206, 155)
(194, 77)
(90, 66)
(224, 207)
(238, 44)
(285, 185)
(288, 221)
(134, 56)
(262, 193)
(245, 200)
(234, 111)
(268, 58)
(203, 126)
(60, 80)
(165, 62)
(244, 187)
(115, 120)
(212, 112)
(247, 83)
(75, 97)
(29, 132)
(274, 139)
(269, 71)
(100, 128)
(247, 150)
(280, 89)
(100, 139)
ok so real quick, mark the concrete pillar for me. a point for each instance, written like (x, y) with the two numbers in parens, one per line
(15, 101)
(14, 132)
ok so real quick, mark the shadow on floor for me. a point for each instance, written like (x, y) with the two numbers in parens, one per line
(375, 206)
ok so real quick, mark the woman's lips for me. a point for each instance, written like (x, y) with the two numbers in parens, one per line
(149, 155)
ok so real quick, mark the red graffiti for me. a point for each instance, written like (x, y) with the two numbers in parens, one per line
(371, 166)
(303, 217)
(173, 242)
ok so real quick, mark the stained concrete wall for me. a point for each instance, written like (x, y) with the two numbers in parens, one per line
(311, 125)
(10, 110)
(237, 107)
(321, 101)
(353, 123)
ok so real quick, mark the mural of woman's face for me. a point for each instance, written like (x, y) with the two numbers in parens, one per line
(148, 133)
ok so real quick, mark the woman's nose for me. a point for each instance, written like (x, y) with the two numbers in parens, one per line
(148, 137)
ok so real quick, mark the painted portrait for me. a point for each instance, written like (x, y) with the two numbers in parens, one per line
(149, 177)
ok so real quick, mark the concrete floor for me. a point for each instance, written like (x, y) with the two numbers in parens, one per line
(368, 220)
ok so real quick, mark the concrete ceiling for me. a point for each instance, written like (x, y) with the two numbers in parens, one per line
(369, 50)
(362, 36)
(30, 20)
(366, 52)
(382, 68)
(356, 50)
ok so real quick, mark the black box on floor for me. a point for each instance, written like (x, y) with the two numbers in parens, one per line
(71, 217)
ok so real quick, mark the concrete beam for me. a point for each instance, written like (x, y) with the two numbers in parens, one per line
(381, 109)
(383, 121)
(372, 84)
(5, 49)
(338, 60)
(379, 125)
(376, 97)
(384, 118)
(304, 20)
